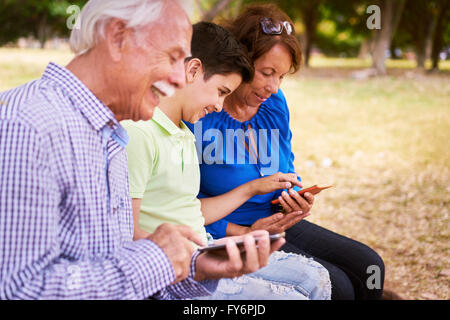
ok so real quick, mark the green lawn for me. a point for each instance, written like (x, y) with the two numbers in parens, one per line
(387, 140)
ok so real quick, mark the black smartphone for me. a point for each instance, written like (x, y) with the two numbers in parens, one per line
(240, 243)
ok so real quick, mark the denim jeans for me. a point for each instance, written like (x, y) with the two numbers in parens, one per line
(287, 276)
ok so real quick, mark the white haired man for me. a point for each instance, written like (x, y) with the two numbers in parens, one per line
(66, 223)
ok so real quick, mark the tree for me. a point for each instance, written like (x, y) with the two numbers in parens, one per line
(418, 22)
(38, 18)
(310, 15)
(305, 10)
(442, 28)
(391, 12)
(348, 17)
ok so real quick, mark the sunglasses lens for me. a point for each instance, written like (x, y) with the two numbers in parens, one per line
(271, 28)
(288, 27)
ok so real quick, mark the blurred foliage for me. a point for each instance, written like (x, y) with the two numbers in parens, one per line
(38, 18)
(342, 28)
(335, 27)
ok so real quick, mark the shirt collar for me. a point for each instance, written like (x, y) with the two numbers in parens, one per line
(165, 123)
(95, 111)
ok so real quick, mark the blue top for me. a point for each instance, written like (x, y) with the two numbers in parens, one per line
(226, 164)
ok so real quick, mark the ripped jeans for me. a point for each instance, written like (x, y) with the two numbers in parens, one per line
(287, 276)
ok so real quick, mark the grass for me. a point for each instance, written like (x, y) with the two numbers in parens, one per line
(325, 62)
(388, 142)
(18, 66)
(387, 139)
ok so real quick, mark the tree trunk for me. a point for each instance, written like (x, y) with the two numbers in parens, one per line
(422, 35)
(391, 12)
(438, 38)
(421, 56)
(421, 44)
(398, 12)
(42, 31)
(364, 49)
(310, 19)
(310, 38)
(383, 37)
(429, 41)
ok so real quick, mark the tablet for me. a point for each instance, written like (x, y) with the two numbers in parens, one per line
(239, 243)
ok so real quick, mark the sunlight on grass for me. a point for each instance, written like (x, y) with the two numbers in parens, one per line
(18, 66)
(323, 62)
(387, 142)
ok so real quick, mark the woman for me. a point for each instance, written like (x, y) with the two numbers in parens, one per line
(254, 123)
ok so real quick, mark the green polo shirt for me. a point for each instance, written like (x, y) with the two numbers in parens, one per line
(164, 173)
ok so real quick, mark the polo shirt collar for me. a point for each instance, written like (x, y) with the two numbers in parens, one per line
(94, 110)
(165, 123)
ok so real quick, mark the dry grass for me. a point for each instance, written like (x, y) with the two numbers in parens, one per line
(387, 139)
(18, 66)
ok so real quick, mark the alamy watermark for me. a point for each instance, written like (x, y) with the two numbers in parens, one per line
(74, 20)
(261, 147)
(374, 21)
(74, 278)
(374, 280)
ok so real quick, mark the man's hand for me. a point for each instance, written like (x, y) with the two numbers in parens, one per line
(294, 202)
(176, 242)
(278, 222)
(211, 265)
(274, 182)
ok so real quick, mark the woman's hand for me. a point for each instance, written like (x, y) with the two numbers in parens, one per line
(274, 182)
(278, 222)
(294, 202)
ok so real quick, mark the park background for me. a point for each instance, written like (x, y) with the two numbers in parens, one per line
(369, 115)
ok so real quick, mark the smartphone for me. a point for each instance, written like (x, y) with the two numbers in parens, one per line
(314, 190)
(240, 244)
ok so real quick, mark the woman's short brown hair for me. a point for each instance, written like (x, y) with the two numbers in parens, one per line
(247, 29)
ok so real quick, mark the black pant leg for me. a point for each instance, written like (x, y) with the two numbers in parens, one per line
(341, 286)
(354, 258)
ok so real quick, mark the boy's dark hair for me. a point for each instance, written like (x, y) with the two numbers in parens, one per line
(219, 52)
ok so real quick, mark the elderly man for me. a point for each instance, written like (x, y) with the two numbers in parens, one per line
(65, 216)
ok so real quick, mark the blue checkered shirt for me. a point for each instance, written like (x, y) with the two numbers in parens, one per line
(66, 223)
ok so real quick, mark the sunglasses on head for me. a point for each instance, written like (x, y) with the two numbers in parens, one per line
(270, 27)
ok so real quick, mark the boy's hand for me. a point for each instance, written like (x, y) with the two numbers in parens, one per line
(210, 265)
(274, 182)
